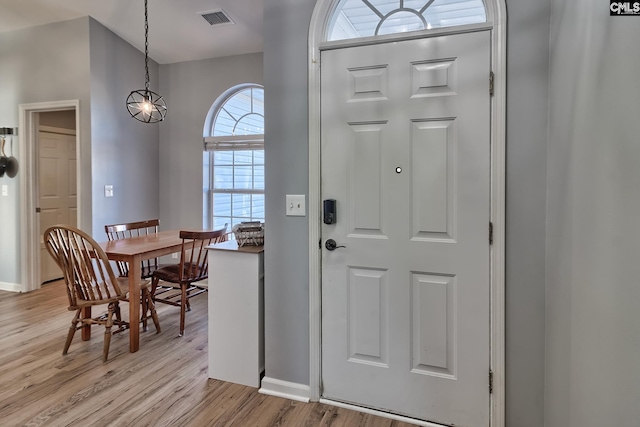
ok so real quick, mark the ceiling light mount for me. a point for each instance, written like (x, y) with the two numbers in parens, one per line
(144, 104)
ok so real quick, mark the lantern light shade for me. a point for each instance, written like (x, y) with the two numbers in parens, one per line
(146, 106)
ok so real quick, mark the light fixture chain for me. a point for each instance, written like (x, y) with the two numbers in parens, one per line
(146, 46)
(145, 105)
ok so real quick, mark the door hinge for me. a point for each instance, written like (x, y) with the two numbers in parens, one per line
(491, 76)
(490, 381)
(491, 233)
(37, 210)
(320, 244)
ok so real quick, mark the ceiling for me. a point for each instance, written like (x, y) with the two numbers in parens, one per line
(177, 31)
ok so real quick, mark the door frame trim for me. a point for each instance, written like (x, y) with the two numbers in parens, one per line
(497, 15)
(29, 226)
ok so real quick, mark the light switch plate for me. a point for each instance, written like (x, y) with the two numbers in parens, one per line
(5, 190)
(296, 205)
(108, 191)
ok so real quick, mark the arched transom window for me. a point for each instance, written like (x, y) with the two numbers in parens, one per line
(241, 114)
(236, 144)
(366, 18)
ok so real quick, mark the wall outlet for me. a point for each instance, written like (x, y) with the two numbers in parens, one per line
(108, 191)
(174, 255)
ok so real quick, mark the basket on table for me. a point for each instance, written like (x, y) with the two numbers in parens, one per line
(249, 233)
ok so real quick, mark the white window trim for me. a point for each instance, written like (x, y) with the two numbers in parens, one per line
(211, 144)
(234, 143)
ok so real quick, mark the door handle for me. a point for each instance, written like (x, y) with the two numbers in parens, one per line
(331, 245)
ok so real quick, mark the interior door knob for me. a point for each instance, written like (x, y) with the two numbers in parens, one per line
(331, 245)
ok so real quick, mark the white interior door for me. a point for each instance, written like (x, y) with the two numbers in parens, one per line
(57, 190)
(406, 155)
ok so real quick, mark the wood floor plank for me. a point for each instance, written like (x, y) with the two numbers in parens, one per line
(163, 384)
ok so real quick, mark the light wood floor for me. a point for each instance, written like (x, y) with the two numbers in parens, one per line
(163, 384)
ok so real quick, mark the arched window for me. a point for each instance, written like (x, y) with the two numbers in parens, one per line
(234, 137)
(366, 18)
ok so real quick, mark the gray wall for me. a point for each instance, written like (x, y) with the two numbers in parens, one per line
(527, 124)
(81, 59)
(286, 264)
(41, 64)
(286, 293)
(593, 320)
(190, 88)
(124, 151)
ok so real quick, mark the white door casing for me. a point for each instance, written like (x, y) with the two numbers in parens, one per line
(497, 22)
(57, 190)
(29, 223)
(405, 152)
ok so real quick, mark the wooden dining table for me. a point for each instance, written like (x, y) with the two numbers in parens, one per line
(134, 250)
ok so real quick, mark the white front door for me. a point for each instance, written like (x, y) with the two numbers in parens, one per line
(57, 188)
(406, 155)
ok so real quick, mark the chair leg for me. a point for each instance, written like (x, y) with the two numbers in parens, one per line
(72, 331)
(154, 286)
(145, 301)
(107, 332)
(183, 306)
(118, 314)
(154, 314)
(151, 303)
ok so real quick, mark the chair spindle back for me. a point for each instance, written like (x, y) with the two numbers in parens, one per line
(134, 229)
(87, 272)
(193, 259)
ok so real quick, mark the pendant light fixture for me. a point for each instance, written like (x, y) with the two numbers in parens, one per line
(146, 105)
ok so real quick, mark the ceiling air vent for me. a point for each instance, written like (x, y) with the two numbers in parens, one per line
(216, 17)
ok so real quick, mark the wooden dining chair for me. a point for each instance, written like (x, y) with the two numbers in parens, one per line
(133, 229)
(179, 281)
(90, 281)
(147, 267)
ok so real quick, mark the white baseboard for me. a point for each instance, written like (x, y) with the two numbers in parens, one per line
(285, 389)
(12, 287)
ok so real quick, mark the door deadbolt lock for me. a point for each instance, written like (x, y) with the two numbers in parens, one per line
(329, 211)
